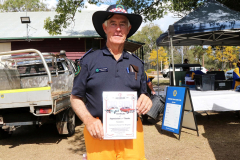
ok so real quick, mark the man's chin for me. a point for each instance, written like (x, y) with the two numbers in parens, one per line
(118, 41)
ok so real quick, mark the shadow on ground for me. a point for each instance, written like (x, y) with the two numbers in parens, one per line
(78, 141)
(222, 130)
(46, 134)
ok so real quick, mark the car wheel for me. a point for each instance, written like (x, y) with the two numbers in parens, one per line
(71, 122)
(4, 134)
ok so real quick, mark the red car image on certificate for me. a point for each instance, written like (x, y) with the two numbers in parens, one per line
(119, 115)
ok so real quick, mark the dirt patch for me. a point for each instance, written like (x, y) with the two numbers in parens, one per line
(218, 139)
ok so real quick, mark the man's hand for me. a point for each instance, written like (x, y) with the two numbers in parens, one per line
(144, 104)
(153, 92)
(94, 127)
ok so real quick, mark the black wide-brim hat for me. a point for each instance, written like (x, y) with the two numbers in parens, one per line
(100, 17)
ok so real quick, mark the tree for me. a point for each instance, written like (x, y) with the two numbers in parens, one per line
(148, 35)
(66, 10)
(198, 52)
(162, 57)
(224, 54)
(150, 10)
(177, 54)
(153, 9)
(23, 5)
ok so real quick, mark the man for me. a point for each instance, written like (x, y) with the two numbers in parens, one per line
(106, 70)
(236, 76)
(150, 86)
(186, 68)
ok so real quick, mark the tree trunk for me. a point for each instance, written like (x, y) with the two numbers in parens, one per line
(203, 60)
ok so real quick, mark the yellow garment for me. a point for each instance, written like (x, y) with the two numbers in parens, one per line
(146, 75)
(132, 149)
(237, 83)
(192, 75)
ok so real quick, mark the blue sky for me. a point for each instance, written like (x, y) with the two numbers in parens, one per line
(163, 23)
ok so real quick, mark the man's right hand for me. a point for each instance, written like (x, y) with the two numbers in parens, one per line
(94, 127)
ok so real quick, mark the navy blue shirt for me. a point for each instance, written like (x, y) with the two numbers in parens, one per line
(101, 72)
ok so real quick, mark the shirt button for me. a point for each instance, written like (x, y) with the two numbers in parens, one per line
(117, 70)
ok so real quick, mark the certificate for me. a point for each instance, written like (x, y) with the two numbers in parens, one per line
(119, 115)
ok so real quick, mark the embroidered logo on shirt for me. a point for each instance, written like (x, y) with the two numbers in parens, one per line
(78, 70)
(98, 70)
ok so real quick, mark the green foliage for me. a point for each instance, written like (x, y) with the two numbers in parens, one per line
(23, 5)
(154, 9)
(150, 70)
(198, 52)
(150, 10)
(177, 54)
(148, 35)
(66, 10)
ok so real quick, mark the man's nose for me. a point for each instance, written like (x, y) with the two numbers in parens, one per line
(118, 28)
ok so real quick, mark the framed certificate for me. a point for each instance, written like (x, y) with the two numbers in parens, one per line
(119, 115)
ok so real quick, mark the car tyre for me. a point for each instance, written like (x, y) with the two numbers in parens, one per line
(4, 134)
(71, 122)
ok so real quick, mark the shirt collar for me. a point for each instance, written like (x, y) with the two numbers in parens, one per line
(108, 53)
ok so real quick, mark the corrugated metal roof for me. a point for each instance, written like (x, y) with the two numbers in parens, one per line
(12, 28)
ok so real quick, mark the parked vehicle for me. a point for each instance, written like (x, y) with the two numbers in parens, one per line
(112, 110)
(127, 109)
(165, 72)
(203, 69)
(229, 74)
(35, 88)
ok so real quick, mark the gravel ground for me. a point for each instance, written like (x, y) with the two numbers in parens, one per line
(218, 139)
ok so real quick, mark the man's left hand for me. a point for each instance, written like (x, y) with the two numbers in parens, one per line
(144, 104)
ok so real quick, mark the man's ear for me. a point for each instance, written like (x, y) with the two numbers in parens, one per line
(104, 27)
(129, 28)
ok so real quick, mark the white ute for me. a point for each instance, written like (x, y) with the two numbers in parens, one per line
(35, 88)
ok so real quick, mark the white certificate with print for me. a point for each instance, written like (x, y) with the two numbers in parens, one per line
(119, 115)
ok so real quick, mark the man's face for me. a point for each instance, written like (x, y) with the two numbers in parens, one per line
(117, 29)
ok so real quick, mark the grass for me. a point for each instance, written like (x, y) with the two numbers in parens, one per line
(161, 82)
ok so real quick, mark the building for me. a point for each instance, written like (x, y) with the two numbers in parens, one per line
(78, 38)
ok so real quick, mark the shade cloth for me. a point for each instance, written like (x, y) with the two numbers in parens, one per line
(211, 24)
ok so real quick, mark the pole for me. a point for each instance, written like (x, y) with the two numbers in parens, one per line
(157, 72)
(161, 65)
(27, 31)
(182, 54)
(222, 58)
(174, 82)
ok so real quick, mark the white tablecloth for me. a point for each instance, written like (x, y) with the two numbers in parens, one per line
(223, 100)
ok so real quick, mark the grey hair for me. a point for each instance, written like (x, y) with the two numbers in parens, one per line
(105, 23)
